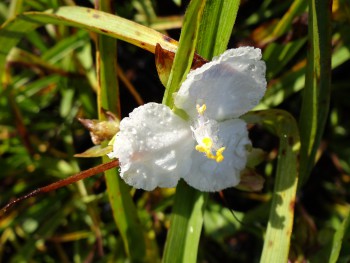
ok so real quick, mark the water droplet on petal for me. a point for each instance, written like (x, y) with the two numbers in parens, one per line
(251, 67)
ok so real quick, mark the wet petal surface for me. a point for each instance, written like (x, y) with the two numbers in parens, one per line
(153, 147)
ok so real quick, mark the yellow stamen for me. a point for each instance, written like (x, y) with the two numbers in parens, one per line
(201, 148)
(207, 142)
(201, 109)
(219, 157)
(206, 146)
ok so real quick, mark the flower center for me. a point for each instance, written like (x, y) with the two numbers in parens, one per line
(205, 132)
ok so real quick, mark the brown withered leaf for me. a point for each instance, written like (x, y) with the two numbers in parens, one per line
(101, 130)
(164, 61)
(251, 181)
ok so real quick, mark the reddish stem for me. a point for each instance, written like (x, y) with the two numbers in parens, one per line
(61, 183)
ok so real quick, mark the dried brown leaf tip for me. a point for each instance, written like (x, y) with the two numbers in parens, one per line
(164, 61)
(102, 130)
(251, 181)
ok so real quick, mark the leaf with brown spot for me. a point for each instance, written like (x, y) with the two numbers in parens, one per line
(164, 61)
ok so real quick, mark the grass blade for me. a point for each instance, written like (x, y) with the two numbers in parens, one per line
(187, 216)
(123, 208)
(184, 55)
(338, 239)
(14, 29)
(186, 225)
(215, 33)
(280, 225)
(316, 96)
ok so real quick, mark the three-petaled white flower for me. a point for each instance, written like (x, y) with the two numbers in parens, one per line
(156, 147)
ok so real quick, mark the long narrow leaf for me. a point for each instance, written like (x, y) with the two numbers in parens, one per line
(316, 94)
(123, 208)
(14, 29)
(187, 217)
(280, 225)
(338, 239)
(216, 27)
(184, 55)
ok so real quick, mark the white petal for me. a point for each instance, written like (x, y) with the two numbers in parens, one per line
(230, 85)
(153, 147)
(210, 176)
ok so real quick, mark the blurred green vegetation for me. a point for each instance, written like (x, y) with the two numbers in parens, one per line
(51, 80)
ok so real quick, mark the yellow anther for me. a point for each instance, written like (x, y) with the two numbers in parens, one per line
(220, 151)
(219, 159)
(219, 156)
(201, 109)
(205, 147)
(207, 142)
(201, 148)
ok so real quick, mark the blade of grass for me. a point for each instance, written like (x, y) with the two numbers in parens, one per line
(338, 239)
(15, 7)
(14, 29)
(277, 55)
(123, 208)
(316, 95)
(187, 214)
(280, 225)
(188, 209)
(297, 7)
(216, 28)
(186, 225)
(294, 80)
(184, 54)
(285, 23)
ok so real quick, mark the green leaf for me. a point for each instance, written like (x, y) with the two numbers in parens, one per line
(277, 55)
(187, 216)
(338, 239)
(316, 95)
(216, 27)
(14, 29)
(297, 7)
(95, 151)
(123, 207)
(280, 225)
(185, 53)
(186, 225)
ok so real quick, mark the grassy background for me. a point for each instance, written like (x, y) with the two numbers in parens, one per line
(50, 79)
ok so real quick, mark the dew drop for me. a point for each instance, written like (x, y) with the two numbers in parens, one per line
(197, 76)
(251, 67)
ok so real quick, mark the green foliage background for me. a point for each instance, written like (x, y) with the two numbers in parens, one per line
(65, 69)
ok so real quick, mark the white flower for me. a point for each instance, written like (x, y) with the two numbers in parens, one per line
(156, 148)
